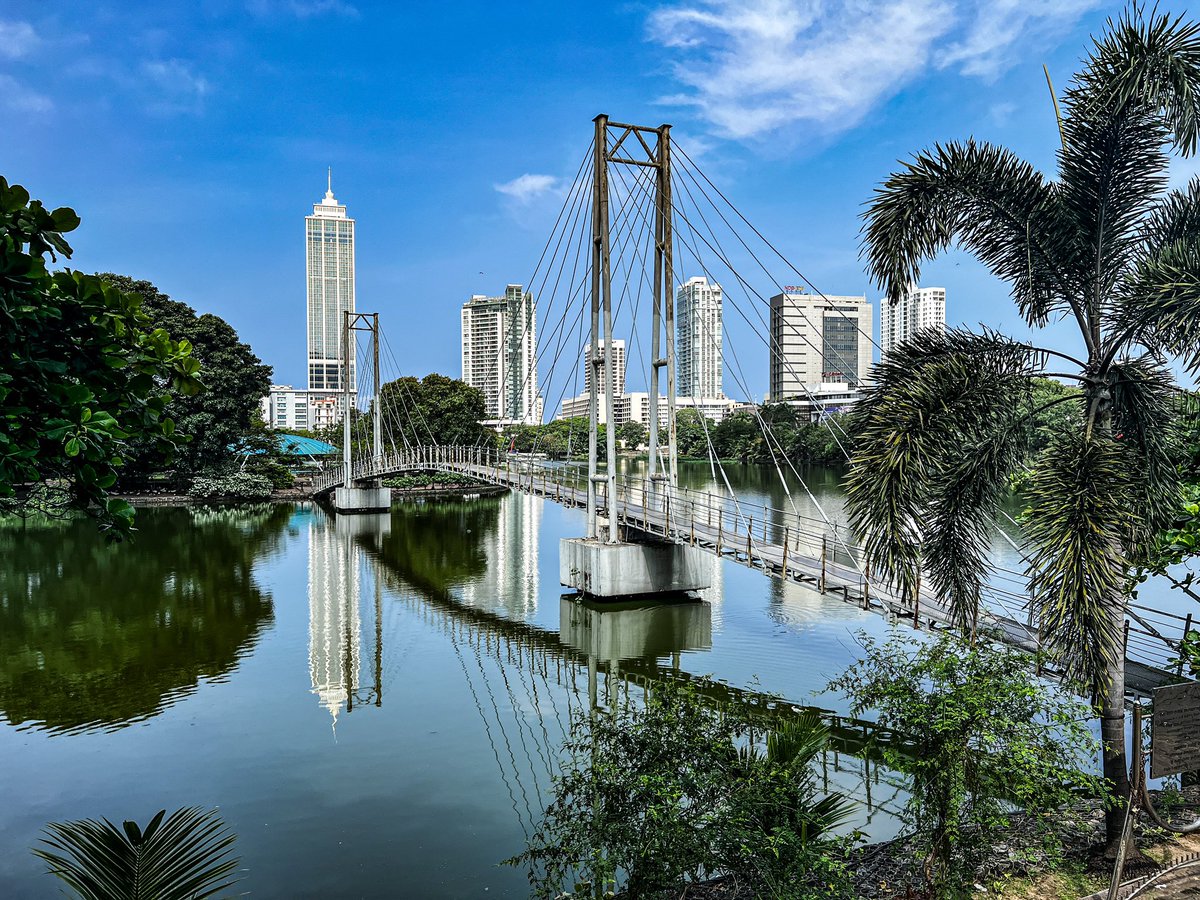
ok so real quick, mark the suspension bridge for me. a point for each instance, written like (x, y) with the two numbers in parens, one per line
(635, 237)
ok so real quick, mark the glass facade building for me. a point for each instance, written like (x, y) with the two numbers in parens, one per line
(329, 254)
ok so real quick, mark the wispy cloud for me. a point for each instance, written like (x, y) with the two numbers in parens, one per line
(175, 86)
(752, 67)
(526, 188)
(18, 97)
(303, 9)
(17, 39)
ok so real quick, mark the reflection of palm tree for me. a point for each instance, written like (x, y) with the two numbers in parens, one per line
(95, 635)
(185, 856)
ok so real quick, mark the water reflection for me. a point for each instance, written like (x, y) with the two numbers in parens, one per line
(96, 637)
(618, 632)
(335, 630)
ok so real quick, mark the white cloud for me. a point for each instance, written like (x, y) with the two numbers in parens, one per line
(176, 87)
(17, 97)
(527, 188)
(303, 9)
(17, 39)
(752, 67)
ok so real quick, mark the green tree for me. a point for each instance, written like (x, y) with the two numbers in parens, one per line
(985, 738)
(689, 435)
(84, 372)
(435, 409)
(236, 380)
(949, 417)
(632, 435)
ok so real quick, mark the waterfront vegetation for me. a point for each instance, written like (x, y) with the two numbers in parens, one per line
(950, 417)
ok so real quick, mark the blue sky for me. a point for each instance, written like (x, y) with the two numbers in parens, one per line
(194, 137)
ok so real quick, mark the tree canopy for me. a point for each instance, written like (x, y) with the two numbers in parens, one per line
(84, 372)
(236, 379)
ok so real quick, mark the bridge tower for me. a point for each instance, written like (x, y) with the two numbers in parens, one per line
(360, 496)
(608, 563)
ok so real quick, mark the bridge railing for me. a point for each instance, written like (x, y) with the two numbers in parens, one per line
(757, 534)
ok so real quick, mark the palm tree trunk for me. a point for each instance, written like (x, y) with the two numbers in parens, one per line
(1112, 733)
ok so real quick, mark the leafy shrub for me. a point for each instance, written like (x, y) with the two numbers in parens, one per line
(986, 739)
(651, 798)
(427, 480)
(273, 470)
(236, 486)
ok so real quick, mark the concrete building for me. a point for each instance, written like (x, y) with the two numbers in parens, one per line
(285, 408)
(818, 340)
(698, 342)
(918, 310)
(635, 407)
(499, 354)
(618, 368)
(329, 254)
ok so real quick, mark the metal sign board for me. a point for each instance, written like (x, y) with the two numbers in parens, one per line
(1175, 737)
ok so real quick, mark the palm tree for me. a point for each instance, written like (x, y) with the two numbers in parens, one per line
(951, 416)
(187, 856)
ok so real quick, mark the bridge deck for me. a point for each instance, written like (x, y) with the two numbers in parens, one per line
(779, 543)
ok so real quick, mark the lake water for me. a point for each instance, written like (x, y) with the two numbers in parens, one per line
(375, 703)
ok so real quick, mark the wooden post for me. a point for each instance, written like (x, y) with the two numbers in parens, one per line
(749, 532)
(866, 595)
(720, 515)
(824, 553)
(785, 550)
(693, 527)
(1187, 627)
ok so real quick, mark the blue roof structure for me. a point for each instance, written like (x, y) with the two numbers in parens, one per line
(295, 445)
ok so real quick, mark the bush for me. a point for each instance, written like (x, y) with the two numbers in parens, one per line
(237, 486)
(986, 739)
(651, 798)
(426, 480)
(273, 470)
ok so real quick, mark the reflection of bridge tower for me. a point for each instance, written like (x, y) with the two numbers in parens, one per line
(335, 636)
(511, 580)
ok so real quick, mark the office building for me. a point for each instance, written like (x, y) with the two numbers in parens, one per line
(918, 310)
(285, 408)
(698, 343)
(499, 355)
(618, 368)
(818, 340)
(329, 254)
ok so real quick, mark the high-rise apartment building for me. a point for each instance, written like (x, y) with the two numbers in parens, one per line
(285, 407)
(618, 353)
(329, 252)
(698, 343)
(499, 354)
(818, 340)
(918, 310)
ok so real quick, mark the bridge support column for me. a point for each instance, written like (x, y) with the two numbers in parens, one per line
(362, 499)
(605, 571)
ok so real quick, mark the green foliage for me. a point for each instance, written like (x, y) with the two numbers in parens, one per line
(560, 439)
(656, 797)
(185, 856)
(987, 739)
(1103, 246)
(1189, 654)
(83, 372)
(110, 638)
(1173, 545)
(234, 486)
(216, 420)
(434, 409)
(632, 435)
(429, 480)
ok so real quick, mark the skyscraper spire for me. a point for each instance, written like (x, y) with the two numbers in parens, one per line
(329, 201)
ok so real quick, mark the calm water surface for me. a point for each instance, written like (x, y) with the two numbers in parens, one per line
(375, 702)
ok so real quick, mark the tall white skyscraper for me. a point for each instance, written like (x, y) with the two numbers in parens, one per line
(618, 369)
(919, 309)
(698, 346)
(818, 340)
(329, 252)
(499, 354)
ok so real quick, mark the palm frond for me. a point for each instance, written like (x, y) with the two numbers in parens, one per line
(186, 856)
(998, 206)
(1160, 304)
(1144, 421)
(1081, 507)
(934, 400)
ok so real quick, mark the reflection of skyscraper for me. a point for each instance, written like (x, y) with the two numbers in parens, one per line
(334, 621)
(511, 549)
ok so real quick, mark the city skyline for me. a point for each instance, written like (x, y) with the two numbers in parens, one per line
(194, 175)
